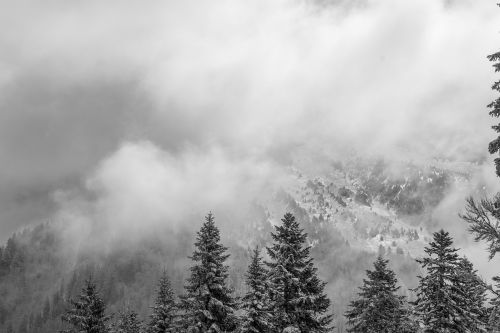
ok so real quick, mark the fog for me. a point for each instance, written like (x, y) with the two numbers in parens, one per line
(119, 111)
(140, 189)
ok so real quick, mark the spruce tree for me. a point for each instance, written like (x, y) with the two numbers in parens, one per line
(494, 315)
(494, 146)
(127, 322)
(378, 307)
(297, 294)
(440, 297)
(257, 318)
(164, 311)
(87, 312)
(483, 218)
(475, 296)
(208, 304)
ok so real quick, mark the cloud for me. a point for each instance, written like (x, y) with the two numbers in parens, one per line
(141, 189)
(258, 80)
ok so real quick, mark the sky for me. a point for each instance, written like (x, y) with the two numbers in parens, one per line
(153, 106)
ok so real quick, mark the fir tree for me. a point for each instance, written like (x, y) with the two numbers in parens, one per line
(475, 296)
(257, 318)
(87, 311)
(494, 316)
(164, 311)
(378, 307)
(494, 145)
(297, 297)
(127, 322)
(208, 303)
(483, 218)
(440, 297)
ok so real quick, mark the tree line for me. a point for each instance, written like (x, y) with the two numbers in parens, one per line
(283, 294)
(286, 295)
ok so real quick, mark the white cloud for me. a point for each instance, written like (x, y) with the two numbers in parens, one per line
(252, 78)
(140, 188)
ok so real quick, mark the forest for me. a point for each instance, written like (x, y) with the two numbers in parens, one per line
(285, 294)
(290, 166)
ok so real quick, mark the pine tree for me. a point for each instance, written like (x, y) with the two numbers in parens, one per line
(440, 297)
(164, 311)
(208, 303)
(378, 307)
(257, 318)
(87, 311)
(297, 294)
(127, 322)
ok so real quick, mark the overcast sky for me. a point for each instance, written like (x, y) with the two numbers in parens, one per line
(96, 93)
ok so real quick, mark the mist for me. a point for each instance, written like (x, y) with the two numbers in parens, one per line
(118, 112)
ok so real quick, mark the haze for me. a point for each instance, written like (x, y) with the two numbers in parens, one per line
(152, 106)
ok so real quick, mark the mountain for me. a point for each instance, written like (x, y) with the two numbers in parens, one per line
(352, 210)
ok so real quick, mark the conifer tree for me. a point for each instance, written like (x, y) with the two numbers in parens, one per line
(483, 218)
(297, 295)
(378, 307)
(440, 297)
(257, 318)
(494, 315)
(475, 296)
(494, 146)
(208, 304)
(87, 312)
(164, 311)
(127, 322)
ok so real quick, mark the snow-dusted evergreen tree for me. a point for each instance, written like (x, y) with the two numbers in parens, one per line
(440, 297)
(208, 303)
(494, 315)
(127, 322)
(378, 308)
(164, 311)
(494, 146)
(87, 312)
(483, 218)
(475, 296)
(297, 294)
(257, 318)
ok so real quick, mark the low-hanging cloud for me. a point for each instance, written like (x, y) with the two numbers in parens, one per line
(246, 81)
(141, 189)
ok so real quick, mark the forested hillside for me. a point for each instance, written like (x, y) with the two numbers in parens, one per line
(351, 215)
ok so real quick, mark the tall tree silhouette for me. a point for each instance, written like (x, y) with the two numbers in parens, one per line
(494, 146)
(475, 296)
(297, 294)
(441, 296)
(208, 303)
